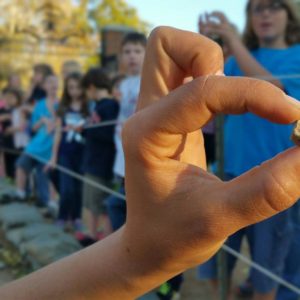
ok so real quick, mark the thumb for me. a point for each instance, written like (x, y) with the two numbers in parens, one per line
(265, 190)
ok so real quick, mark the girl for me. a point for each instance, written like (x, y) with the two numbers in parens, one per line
(68, 147)
(269, 50)
(16, 131)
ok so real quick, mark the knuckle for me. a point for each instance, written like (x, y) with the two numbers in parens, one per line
(129, 135)
(277, 193)
(158, 34)
(216, 54)
(213, 59)
(134, 139)
(259, 88)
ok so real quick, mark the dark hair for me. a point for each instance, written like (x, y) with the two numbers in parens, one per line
(45, 69)
(66, 99)
(292, 33)
(116, 80)
(134, 38)
(17, 93)
(98, 78)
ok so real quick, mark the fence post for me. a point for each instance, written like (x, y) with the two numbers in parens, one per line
(221, 256)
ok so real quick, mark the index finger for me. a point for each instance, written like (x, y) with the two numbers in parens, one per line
(171, 56)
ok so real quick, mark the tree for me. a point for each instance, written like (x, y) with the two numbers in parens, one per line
(116, 12)
(49, 31)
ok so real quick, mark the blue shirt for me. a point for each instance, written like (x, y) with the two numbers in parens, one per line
(41, 143)
(248, 139)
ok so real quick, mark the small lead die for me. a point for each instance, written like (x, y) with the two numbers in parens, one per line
(296, 134)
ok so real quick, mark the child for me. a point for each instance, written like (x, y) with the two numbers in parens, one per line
(6, 141)
(249, 140)
(132, 57)
(37, 91)
(41, 144)
(68, 149)
(15, 132)
(179, 215)
(18, 119)
(99, 152)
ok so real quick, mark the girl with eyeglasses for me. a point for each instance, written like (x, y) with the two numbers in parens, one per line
(269, 49)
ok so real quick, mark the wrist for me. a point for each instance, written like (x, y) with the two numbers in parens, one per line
(234, 44)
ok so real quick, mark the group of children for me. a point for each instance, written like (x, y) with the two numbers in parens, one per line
(49, 131)
(41, 130)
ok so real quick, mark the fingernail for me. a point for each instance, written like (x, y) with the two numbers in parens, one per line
(293, 101)
(220, 73)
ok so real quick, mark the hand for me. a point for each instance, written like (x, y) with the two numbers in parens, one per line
(76, 128)
(27, 109)
(217, 25)
(95, 118)
(50, 165)
(5, 117)
(178, 214)
(50, 124)
(68, 128)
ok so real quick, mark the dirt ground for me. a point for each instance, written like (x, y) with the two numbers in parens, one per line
(5, 276)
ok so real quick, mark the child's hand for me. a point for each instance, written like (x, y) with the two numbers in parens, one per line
(50, 165)
(217, 24)
(50, 124)
(68, 128)
(79, 129)
(5, 117)
(76, 128)
(95, 118)
(178, 214)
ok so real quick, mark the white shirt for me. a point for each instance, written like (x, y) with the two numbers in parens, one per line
(129, 88)
(21, 138)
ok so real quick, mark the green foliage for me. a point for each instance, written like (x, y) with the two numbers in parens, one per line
(54, 31)
(117, 12)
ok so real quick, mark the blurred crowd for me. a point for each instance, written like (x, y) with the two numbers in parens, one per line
(40, 129)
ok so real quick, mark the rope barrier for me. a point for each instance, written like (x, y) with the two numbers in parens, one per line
(70, 173)
(112, 192)
(102, 124)
(261, 269)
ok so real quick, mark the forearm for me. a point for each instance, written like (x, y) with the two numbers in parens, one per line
(108, 270)
(249, 64)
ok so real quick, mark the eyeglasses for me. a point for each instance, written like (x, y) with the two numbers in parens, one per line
(273, 8)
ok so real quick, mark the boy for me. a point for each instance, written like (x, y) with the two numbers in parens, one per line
(99, 152)
(132, 58)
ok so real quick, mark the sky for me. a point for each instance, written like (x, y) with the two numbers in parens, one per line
(184, 14)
